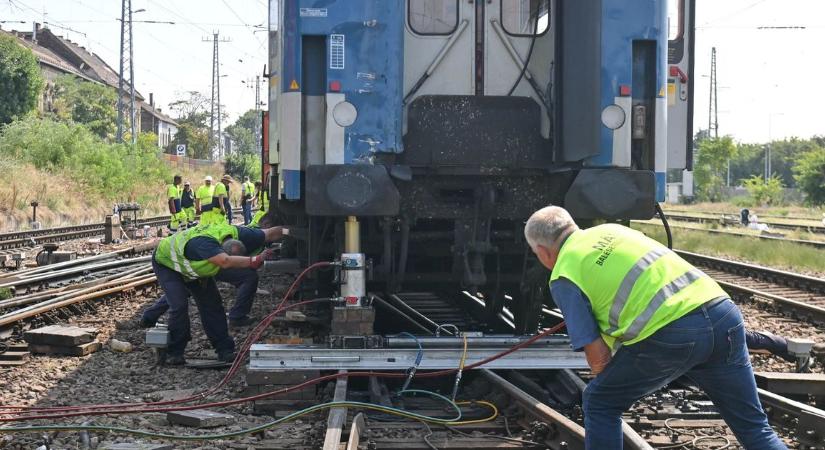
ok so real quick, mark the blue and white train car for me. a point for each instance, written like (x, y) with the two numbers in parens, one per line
(448, 122)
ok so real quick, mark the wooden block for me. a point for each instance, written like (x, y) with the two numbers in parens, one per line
(77, 350)
(14, 356)
(200, 418)
(59, 335)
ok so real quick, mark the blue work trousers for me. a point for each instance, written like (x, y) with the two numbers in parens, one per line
(210, 307)
(245, 282)
(247, 212)
(708, 347)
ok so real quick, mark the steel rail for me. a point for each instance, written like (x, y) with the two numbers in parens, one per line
(818, 229)
(806, 242)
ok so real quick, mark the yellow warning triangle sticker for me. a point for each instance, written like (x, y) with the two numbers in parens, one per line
(293, 85)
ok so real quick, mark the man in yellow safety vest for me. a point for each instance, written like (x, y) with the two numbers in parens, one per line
(622, 292)
(203, 201)
(173, 194)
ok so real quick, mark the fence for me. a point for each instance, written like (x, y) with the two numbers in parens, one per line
(183, 162)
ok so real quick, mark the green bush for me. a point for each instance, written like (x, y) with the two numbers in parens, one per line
(20, 80)
(117, 171)
(241, 165)
(763, 193)
(809, 173)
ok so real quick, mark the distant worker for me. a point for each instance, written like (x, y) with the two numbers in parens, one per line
(187, 203)
(203, 201)
(622, 291)
(247, 197)
(173, 195)
(186, 263)
(262, 202)
(220, 201)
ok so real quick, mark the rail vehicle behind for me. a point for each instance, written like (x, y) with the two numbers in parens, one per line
(431, 129)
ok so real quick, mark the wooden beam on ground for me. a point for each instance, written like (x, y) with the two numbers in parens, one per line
(358, 426)
(337, 416)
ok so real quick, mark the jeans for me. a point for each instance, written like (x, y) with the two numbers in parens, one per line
(247, 212)
(708, 347)
(245, 282)
(210, 308)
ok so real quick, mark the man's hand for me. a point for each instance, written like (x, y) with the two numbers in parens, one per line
(255, 262)
(275, 233)
(598, 355)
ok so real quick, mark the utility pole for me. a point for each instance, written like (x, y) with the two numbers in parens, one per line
(713, 105)
(126, 80)
(215, 111)
(258, 112)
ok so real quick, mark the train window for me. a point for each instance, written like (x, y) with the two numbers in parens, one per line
(433, 17)
(525, 17)
(675, 19)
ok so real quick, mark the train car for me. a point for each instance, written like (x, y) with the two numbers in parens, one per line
(422, 134)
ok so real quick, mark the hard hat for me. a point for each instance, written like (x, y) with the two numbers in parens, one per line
(208, 178)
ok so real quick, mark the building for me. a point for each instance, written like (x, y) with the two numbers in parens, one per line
(58, 55)
(153, 120)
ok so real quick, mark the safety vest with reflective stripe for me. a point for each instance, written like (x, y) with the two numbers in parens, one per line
(170, 252)
(204, 194)
(635, 285)
(248, 189)
(263, 200)
(174, 192)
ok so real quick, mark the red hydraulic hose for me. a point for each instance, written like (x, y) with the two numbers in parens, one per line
(307, 383)
(256, 332)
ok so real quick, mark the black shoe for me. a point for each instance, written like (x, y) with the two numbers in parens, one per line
(227, 357)
(146, 323)
(242, 322)
(175, 360)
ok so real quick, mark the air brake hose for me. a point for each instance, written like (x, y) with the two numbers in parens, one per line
(665, 224)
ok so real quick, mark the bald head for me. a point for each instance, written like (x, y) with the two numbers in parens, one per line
(547, 225)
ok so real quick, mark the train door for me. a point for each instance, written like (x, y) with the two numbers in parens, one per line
(680, 89)
(518, 32)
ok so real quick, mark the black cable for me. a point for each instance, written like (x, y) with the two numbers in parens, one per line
(665, 224)
(529, 55)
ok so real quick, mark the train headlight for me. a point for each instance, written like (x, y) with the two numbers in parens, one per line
(613, 116)
(344, 114)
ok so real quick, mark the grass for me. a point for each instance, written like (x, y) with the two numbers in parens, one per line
(783, 255)
(794, 211)
(63, 201)
(715, 226)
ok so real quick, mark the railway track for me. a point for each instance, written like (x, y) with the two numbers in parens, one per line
(728, 219)
(766, 238)
(32, 238)
(800, 296)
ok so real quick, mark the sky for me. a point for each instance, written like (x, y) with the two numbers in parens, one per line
(169, 60)
(767, 76)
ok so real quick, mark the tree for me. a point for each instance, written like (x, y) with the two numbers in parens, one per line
(192, 109)
(809, 173)
(90, 104)
(241, 165)
(20, 80)
(763, 193)
(243, 132)
(711, 166)
(195, 138)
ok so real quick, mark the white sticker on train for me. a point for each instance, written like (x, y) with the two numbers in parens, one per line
(313, 12)
(336, 51)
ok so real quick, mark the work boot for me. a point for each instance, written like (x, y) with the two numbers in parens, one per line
(241, 322)
(146, 323)
(226, 357)
(175, 360)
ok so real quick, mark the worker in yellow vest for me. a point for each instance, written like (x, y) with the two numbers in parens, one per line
(173, 195)
(187, 262)
(644, 317)
(247, 198)
(187, 204)
(220, 201)
(203, 201)
(262, 202)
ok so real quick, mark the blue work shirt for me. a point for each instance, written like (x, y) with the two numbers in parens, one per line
(577, 311)
(202, 247)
